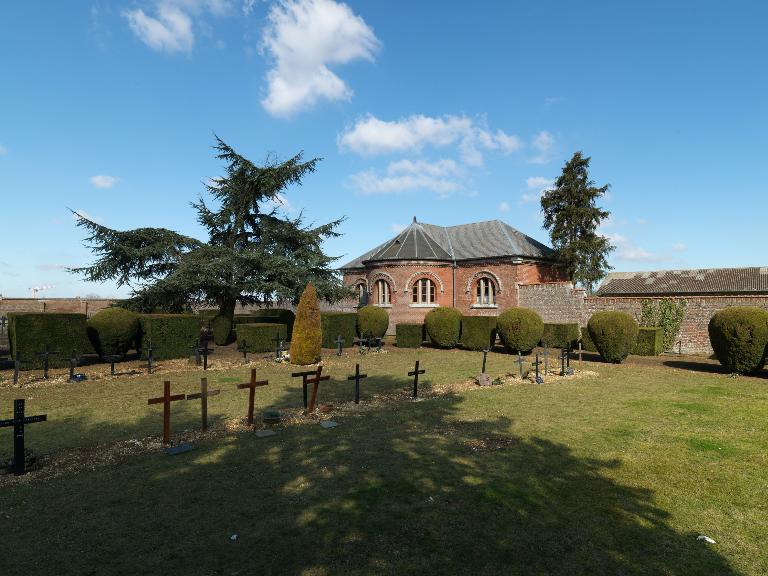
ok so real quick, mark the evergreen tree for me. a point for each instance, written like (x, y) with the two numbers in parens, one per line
(572, 218)
(307, 339)
(255, 253)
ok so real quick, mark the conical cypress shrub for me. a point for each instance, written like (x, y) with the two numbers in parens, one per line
(307, 332)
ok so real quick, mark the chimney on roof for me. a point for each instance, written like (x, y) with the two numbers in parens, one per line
(414, 219)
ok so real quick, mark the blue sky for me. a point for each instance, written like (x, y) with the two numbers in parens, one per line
(449, 111)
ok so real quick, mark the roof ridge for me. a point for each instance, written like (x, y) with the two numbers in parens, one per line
(506, 234)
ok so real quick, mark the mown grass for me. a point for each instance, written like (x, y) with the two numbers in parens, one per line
(615, 474)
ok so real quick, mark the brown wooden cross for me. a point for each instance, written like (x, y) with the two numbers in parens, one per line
(252, 385)
(304, 375)
(315, 385)
(203, 396)
(166, 400)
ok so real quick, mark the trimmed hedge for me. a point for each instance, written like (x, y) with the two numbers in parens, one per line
(650, 341)
(478, 332)
(739, 337)
(276, 316)
(372, 321)
(443, 327)
(520, 329)
(409, 335)
(335, 324)
(221, 326)
(113, 331)
(307, 336)
(614, 334)
(560, 335)
(30, 333)
(586, 341)
(172, 335)
(259, 337)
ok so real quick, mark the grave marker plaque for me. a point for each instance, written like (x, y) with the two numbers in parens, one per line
(18, 422)
(252, 385)
(166, 400)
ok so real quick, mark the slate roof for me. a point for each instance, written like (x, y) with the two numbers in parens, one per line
(420, 241)
(752, 280)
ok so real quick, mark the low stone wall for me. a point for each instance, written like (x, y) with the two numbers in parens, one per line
(560, 302)
(77, 305)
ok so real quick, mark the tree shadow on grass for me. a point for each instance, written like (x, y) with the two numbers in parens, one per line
(404, 487)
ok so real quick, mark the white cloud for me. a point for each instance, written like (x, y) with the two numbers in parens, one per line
(371, 136)
(281, 202)
(641, 221)
(248, 6)
(536, 186)
(397, 228)
(441, 167)
(169, 28)
(504, 207)
(409, 175)
(84, 214)
(636, 254)
(104, 181)
(679, 247)
(49, 267)
(305, 37)
(544, 144)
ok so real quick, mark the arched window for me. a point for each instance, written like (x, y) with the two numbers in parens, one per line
(383, 295)
(362, 293)
(423, 291)
(486, 292)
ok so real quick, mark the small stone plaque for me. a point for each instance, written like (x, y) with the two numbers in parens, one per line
(329, 424)
(173, 450)
(265, 433)
(484, 379)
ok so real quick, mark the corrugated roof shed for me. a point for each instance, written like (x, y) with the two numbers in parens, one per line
(753, 280)
(490, 239)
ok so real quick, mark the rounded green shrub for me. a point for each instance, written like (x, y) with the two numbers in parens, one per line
(221, 326)
(478, 332)
(520, 329)
(560, 335)
(307, 330)
(739, 337)
(372, 321)
(113, 331)
(614, 334)
(409, 335)
(443, 326)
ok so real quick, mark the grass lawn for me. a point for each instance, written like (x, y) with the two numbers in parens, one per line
(616, 473)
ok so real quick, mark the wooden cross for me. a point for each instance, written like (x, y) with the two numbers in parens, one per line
(252, 385)
(166, 400)
(539, 379)
(203, 396)
(339, 342)
(18, 421)
(315, 385)
(519, 362)
(357, 377)
(304, 376)
(415, 373)
(46, 355)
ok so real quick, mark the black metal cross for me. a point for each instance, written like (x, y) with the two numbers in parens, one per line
(520, 362)
(204, 351)
(18, 422)
(203, 396)
(149, 355)
(565, 361)
(357, 377)
(278, 346)
(539, 379)
(304, 376)
(378, 343)
(415, 373)
(112, 358)
(339, 342)
(485, 356)
(243, 347)
(46, 354)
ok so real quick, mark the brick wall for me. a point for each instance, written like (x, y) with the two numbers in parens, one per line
(560, 302)
(76, 305)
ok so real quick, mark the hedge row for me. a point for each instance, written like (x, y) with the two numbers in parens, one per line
(478, 332)
(409, 335)
(172, 335)
(30, 333)
(335, 324)
(260, 337)
(113, 331)
(560, 335)
(650, 341)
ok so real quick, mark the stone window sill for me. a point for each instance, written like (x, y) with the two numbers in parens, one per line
(422, 305)
(491, 306)
(383, 305)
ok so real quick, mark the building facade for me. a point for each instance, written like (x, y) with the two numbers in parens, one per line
(475, 268)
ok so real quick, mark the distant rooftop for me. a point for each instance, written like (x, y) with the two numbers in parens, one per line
(752, 280)
(490, 239)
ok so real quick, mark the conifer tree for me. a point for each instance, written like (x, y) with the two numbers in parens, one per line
(307, 338)
(255, 252)
(572, 218)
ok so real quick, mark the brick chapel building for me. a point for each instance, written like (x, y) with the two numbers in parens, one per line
(475, 268)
